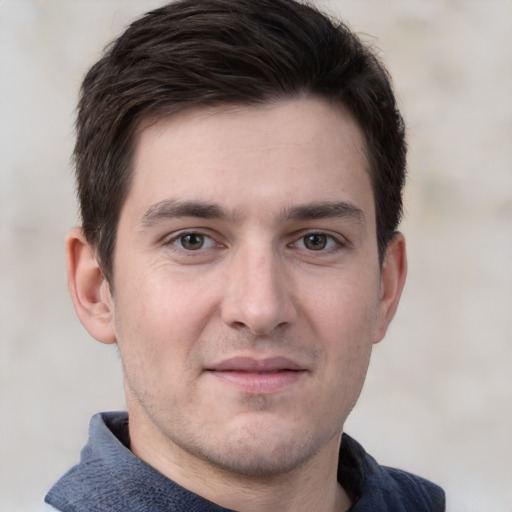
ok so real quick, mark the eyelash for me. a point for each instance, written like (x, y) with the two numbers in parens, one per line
(335, 242)
(180, 236)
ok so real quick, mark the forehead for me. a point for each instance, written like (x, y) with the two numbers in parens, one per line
(297, 151)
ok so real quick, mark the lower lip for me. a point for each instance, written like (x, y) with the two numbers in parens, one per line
(259, 382)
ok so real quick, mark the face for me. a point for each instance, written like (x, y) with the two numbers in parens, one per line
(247, 291)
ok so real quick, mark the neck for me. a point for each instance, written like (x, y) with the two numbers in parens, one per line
(312, 486)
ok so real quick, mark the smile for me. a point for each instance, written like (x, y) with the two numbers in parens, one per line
(256, 376)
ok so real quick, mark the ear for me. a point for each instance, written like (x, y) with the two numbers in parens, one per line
(392, 280)
(89, 289)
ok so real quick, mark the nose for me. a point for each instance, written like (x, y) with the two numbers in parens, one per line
(258, 294)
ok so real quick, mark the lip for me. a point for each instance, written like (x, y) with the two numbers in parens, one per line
(258, 376)
(256, 365)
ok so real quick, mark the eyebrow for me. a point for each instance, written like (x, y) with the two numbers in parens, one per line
(326, 210)
(172, 208)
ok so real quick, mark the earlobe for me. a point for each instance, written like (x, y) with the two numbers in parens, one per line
(89, 289)
(393, 273)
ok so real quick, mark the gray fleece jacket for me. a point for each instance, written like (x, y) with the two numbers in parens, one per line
(109, 478)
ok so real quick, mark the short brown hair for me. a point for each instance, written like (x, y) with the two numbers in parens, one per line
(194, 53)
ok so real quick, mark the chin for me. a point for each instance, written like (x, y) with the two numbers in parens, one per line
(260, 449)
(260, 461)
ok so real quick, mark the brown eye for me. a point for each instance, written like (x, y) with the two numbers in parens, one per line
(315, 242)
(192, 241)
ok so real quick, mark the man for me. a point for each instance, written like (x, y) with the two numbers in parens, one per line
(240, 167)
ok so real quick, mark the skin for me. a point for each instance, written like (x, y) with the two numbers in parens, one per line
(247, 296)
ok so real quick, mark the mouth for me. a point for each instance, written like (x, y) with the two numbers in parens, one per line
(258, 376)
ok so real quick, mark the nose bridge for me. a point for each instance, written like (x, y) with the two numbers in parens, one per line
(258, 292)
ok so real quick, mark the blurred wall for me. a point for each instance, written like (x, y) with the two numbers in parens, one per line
(438, 399)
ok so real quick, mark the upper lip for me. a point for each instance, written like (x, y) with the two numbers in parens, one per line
(251, 364)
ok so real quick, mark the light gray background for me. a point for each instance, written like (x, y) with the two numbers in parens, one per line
(438, 399)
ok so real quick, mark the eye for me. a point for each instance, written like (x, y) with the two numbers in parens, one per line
(192, 241)
(317, 242)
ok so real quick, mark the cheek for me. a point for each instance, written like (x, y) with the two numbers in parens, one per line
(159, 319)
(344, 317)
(345, 308)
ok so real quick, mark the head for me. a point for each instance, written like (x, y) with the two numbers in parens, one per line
(203, 53)
(240, 167)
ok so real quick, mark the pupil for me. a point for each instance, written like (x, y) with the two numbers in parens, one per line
(315, 242)
(192, 241)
